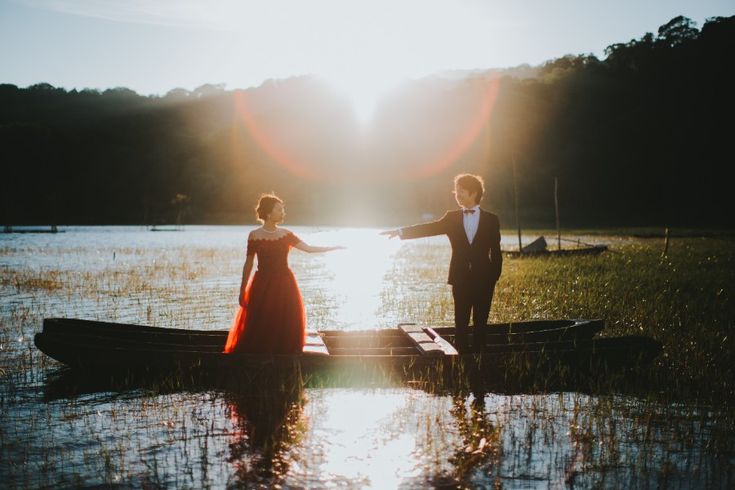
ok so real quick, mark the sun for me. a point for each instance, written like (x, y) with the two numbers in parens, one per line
(363, 90)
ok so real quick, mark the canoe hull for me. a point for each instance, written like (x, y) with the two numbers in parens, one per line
(564, 252)
(518, 353)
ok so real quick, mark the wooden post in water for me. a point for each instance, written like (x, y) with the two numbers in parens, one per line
(666, 243)
(515, 197)
(556, 209)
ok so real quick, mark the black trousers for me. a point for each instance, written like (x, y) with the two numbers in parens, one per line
(475, 302)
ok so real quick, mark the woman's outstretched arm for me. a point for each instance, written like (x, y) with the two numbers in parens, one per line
(315, 250)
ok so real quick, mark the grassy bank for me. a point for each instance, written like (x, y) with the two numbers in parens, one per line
(683, 300)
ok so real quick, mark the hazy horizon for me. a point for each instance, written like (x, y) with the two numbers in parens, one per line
(361, 49)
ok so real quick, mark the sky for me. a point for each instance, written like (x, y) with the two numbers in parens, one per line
(361, 47)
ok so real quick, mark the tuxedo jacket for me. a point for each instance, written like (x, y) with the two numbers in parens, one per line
(475, 264)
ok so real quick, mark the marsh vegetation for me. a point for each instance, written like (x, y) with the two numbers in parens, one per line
(674, 430)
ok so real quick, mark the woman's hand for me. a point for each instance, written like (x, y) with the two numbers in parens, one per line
(242, 300)
(316, 250)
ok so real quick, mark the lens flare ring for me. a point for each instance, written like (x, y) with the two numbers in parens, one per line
(302, 169)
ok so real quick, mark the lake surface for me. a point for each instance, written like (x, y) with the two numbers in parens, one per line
(56, 430)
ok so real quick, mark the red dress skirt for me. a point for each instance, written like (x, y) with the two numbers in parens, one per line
(273, 320)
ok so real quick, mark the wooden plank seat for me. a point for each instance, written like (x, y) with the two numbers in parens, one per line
(315, 344)
(423, 342)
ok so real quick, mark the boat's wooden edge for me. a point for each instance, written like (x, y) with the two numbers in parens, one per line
(109, 328)
(122, 327)
(530, 327)
(380, 332)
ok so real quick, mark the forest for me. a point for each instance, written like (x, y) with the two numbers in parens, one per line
(643, 137)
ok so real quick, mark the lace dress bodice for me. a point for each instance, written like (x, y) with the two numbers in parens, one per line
(272, 254)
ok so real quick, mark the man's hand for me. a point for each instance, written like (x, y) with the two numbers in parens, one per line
(391, 233)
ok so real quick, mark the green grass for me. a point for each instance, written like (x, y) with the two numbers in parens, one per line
(683, 300)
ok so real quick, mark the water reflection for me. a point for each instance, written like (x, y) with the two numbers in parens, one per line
(343, 290)
(298, 435)
(358, 274)
(481, 439)
(362, 436)
(267, 426)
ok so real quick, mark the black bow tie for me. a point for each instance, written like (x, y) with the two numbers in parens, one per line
(468, 211)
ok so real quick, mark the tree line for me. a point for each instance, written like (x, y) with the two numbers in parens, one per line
(641, 137)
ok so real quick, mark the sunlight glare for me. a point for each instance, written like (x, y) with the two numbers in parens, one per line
(352, 447)
(358, 274)
(364, 91)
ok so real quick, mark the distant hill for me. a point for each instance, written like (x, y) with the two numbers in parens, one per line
(642, 137)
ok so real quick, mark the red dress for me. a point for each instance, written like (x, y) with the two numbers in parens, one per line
(273, 320)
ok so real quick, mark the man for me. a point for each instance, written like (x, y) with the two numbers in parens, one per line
(476, 262)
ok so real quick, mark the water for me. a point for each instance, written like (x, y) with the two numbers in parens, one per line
(368, 435)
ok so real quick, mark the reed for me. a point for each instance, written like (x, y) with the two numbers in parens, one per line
(675, 428)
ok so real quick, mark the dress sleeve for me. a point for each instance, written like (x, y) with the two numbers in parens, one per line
(252, 247)
(292, 239)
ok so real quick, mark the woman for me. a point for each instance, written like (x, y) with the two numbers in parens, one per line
(271, 317)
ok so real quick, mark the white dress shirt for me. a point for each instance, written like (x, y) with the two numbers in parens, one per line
(471, 221)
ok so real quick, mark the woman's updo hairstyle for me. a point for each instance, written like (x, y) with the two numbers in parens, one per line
(266, 203)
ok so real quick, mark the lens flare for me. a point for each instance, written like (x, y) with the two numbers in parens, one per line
(265, 141)
(467, 136)
(291, 156)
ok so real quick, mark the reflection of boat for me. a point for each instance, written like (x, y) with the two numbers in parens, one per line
(539, 247)
(536, 346)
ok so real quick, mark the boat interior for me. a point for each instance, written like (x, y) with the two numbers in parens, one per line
(406, 340)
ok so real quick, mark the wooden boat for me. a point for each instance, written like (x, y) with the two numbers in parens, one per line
(165, 228)
(539, 248)
(30, 229)
(533, 346)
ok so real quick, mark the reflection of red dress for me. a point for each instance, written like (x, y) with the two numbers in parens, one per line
(274, 320)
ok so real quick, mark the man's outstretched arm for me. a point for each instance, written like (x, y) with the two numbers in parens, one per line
(432, 228)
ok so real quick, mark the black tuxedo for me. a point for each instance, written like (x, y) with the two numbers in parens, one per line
(474, 267)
